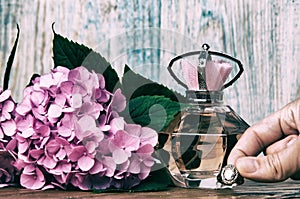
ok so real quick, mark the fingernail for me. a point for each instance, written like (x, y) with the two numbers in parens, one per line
(247, 165)
(291, 141)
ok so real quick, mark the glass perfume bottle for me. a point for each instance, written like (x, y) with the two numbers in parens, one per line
(201, 136)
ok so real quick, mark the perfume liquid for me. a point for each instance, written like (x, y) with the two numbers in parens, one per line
(199, 156)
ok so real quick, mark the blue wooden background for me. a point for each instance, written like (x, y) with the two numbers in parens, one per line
(146, 34)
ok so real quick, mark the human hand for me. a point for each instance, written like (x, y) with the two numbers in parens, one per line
(278, 136)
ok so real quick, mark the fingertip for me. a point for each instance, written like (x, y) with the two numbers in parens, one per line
(247, 166)
(235, 154)
(231, 159)
(271, 168)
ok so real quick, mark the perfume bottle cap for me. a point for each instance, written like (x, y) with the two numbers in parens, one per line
(209, 74)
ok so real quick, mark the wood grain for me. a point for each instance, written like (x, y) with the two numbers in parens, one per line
(146, 34)
(288, 189)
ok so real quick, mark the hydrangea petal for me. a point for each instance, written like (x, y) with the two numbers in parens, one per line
(62, 141)
(92, 109)
(9, 106)
(101, 81)
(49, 162)
(36, 153)
(60, 100)
(119, 101)
(66, 88)
(64, 131)
(9, 127)
(76, 100)
(148, 149)
(49, 186)
(54, 111)
(61, 168)
(24, 123)
(149, 162)
(29, 169)
(117, 124)
(33, 181)
(91, 146)
(123, 168)
(119, 156)
(52, 147)
(97, 168)
(149, 136)
(11, 145)
(110, 166)
(45, 81)
(65, 167)
(135, 166)
(76, 153)
(5, 95)
(61, 154)
(38, 115)
(23, 146)
(85, 163)
(23, 108)
(1, 134)
(43, 130)
(37, 97)
(133, 129)
(125, 141)
(145, 174)
(87, 123)
(28, 132)
(65, 71)
(59, 76)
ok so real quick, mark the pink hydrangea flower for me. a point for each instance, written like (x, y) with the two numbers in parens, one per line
(32, 177)
(7, 107)
(7, 129)
(68, 132)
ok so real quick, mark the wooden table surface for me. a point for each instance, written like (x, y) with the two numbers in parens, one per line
(287, 189)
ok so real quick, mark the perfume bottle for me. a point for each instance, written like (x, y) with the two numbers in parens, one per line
(201, 136)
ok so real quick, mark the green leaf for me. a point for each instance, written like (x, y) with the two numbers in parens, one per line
(10, 61)
(156, 181)
(135, 85)
(153, 111)
(71, 55)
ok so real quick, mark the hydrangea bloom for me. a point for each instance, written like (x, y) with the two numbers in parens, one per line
(69, 133)
(7, 128)
(7, 107)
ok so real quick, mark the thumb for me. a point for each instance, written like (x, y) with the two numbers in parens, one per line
(273, 167)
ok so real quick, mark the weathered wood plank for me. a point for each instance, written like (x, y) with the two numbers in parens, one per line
(288, 189)
(263, 36)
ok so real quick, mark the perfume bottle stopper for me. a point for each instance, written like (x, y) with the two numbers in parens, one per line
(203, 58)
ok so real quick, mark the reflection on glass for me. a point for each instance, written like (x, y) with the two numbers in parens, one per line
(199, 141)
